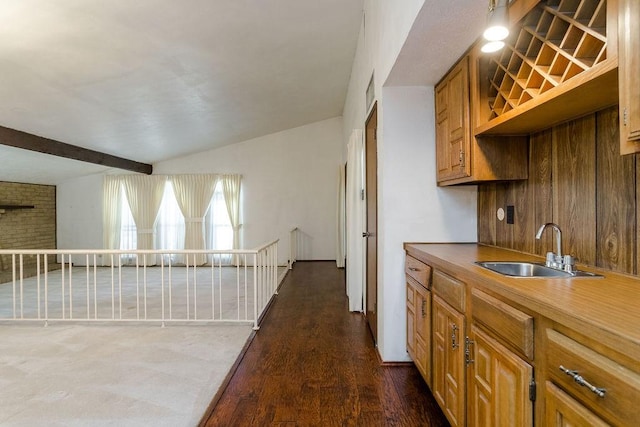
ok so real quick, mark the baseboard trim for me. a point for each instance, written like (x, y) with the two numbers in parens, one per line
(404, 364)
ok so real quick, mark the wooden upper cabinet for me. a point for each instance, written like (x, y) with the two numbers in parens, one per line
(560, 62)
(452, 130)
(629, 75)
(460, 157)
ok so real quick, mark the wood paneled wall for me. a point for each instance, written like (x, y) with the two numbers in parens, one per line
(578, 180)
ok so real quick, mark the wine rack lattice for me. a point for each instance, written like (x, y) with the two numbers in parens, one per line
(556, 41)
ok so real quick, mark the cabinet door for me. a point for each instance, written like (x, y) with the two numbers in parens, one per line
(411, 321)
(453, 133)
(443, 156)
(629, 75)
(423, 332)
(499, 389)
(448, 361)
(563, 411)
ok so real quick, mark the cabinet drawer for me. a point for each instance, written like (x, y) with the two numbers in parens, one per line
(449, 289)
(619, 403)
(506, 322)
(418, 270)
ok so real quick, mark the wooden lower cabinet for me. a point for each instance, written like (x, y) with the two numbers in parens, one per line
(411, 321)
(499, 384)
(564, 411)
(448, 361)
(589, 373)
(487, 348)
(419, 328)
(423, 333)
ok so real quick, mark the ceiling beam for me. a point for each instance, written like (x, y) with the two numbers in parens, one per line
(27, 141)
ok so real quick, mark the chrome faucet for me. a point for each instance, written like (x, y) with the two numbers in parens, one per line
(557, 260)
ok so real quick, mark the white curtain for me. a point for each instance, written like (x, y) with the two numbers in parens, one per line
(194, 193)
(231, 191)
(355, 221)
(170, 226)
(144, 194)
(111, 205)
(340, 220)
(218, 229)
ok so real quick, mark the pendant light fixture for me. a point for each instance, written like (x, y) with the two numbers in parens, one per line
(497, 26)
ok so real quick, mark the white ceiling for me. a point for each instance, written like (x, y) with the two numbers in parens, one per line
(441, 33)
(151, 80)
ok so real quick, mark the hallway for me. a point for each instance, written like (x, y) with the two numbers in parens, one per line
(313, 363)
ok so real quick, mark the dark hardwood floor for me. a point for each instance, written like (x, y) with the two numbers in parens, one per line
(313, 363)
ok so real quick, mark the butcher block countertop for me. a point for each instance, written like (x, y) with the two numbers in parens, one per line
(606, 309)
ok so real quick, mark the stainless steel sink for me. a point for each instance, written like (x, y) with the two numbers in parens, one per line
(529, 269)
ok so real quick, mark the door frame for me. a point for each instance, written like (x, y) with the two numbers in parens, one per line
(371, 225)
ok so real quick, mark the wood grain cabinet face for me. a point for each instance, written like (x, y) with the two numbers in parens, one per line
(629, 75)
(418, 277)
(582, 372)
(449, 384)
(419, 328)
(453, 132)
(423, 333)
(411, 321)
(499, 388)
(564, 411)
(512, 326)
(461, 158)
(559, 63)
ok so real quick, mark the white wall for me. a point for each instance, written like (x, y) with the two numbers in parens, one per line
(410, 205)
(290, 179)
(79, 213)
(384, 30)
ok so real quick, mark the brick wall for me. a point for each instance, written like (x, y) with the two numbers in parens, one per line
(27, 228)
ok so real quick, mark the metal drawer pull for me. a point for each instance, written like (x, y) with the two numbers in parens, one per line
(578, 378)
(414, 269)
(468, 359)
(454, 338)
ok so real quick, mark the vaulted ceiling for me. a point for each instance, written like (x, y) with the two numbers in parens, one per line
(150, 80)
(155, 79)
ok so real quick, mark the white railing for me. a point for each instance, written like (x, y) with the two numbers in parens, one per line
(140, 286)
(293, 246)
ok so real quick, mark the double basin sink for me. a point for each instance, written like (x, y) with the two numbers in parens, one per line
(530, 269)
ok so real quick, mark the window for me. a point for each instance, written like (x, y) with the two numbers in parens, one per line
(170, 225)
(218, 230)
(128, 237)
(170, 222)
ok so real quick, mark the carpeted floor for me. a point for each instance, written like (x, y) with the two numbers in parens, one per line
(221, 293)
(77, 375)
(73, 374)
